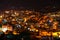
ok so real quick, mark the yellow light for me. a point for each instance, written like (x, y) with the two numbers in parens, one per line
(25, 19)
(15, 13)
(58, 32)
(13, 20)
(36, 30)
(1, 16)
(44, 33)
(55, 34)
(48, 34)
(15, 33)
(38, 36)
(10, 28)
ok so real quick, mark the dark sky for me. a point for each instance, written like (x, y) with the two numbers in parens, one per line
(33, 4)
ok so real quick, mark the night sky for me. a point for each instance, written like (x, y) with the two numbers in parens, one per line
(30, 4)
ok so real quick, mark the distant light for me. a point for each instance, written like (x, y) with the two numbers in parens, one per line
(15, 13)
(25, 19)
(55, 34)
(36, 30)
(13, 20)
(59, 36)
(15, 33)
(1, 16)
(4, 29)
(28, 28)
(18, 25)
(7, 11)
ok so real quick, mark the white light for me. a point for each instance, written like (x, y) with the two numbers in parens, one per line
(4, 29)
(7, 11)
(28, 28)
(49, 21)
(19, 26)
(59, 36)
